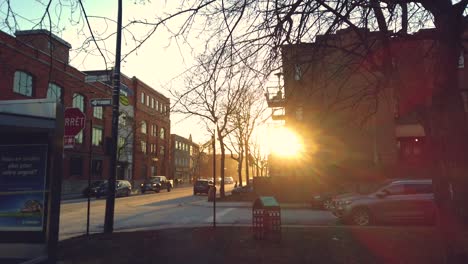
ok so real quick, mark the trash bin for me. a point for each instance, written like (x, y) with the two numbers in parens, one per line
(211, 193)
(266, 218)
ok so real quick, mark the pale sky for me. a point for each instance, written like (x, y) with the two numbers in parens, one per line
(158, 62)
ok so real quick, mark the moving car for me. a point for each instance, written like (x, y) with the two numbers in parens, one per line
(156, 183)
(228, 180)
(394, 201)
(202, 186)
(247, 189)
(122, 188)
(322, 201)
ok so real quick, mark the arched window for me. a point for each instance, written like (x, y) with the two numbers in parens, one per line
(161, 133)
(23, 83)
(54, 92)
(143, 127)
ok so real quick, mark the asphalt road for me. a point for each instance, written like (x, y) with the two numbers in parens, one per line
(177, 208)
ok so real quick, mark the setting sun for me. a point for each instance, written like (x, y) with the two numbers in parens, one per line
(285, 142)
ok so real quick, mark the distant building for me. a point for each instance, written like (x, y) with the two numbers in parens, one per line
(185, 159)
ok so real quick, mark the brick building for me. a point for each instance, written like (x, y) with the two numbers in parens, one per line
(28, 71)
(144, 128)
(333, 98)
(34, 64)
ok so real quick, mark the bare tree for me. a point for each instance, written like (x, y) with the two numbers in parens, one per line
(213, 95)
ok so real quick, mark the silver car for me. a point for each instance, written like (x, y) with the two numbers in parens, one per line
(395, 201)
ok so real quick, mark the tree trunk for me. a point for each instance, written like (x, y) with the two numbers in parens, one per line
(239, 167)
(247, 162)
(448, 137)
(223, 159)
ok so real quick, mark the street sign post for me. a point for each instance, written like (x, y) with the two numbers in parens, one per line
(101, 102)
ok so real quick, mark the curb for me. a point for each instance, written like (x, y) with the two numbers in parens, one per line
(248, 205)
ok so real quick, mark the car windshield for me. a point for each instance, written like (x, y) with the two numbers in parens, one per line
(202, 183)
(372, 188)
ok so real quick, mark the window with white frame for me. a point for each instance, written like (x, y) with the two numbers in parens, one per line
(161, 151)
(97, 112)
(161, 133)
(143, 146)
(147, 100)
(97, 136)
(152, 102)
(143, 127)
(54, 92)
(23, 83)
(143, 98)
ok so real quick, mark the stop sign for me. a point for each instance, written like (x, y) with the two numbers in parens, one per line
(74, 121)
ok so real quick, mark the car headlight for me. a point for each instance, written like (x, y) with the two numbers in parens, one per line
(347, 202)
(154, 184)
(142, 185)
(317, 197)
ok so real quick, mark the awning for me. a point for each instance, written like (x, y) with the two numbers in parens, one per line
(411, 130)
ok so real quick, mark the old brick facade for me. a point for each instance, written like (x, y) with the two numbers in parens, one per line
(28, 71)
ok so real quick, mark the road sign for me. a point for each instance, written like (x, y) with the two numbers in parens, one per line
(74, 121)
(101, 102)
(68, 142)
(124, 100)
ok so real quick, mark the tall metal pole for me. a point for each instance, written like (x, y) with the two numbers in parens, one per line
(90, 164)
(110, 202)
(214, 177)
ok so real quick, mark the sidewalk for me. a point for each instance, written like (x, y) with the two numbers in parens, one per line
(206, 245)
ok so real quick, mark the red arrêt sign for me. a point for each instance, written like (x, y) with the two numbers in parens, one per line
(74, 121)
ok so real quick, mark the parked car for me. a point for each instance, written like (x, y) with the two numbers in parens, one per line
(92, 189)
(122, 188)
(394, 201)
(202, 186)
(247, 189)
(156, 184)
(323, 201)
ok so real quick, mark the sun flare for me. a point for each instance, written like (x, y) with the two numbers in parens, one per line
(284, 142)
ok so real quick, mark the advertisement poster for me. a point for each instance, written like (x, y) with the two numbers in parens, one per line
(22, 187)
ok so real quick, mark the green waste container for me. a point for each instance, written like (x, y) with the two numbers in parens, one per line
(266, 218)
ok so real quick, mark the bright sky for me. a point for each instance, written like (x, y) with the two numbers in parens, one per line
(158, 62)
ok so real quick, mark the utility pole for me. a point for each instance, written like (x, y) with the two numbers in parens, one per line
(110, 202)
(214, 178)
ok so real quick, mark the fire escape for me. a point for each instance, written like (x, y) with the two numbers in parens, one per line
(276, 100)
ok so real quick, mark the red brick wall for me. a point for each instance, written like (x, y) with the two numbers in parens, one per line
(14, 56)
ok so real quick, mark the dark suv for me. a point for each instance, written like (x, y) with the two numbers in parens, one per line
(394, 201)
(122, 188)
(202, 186)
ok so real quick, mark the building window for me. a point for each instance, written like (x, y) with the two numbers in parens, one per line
(23, 83)
(143, 146)
(152, 102)
(96, 167)
(161, 151)
(153, 170)
(76, 166)
(161, 133)
(121, 142)
(157, 104)
(97, 112)
(143, 127)
(97, 136)
(154, 130)
(54, 92)
(147, 100)
(78, 102)
(297, 72)
(143, 98)
(143, 171)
